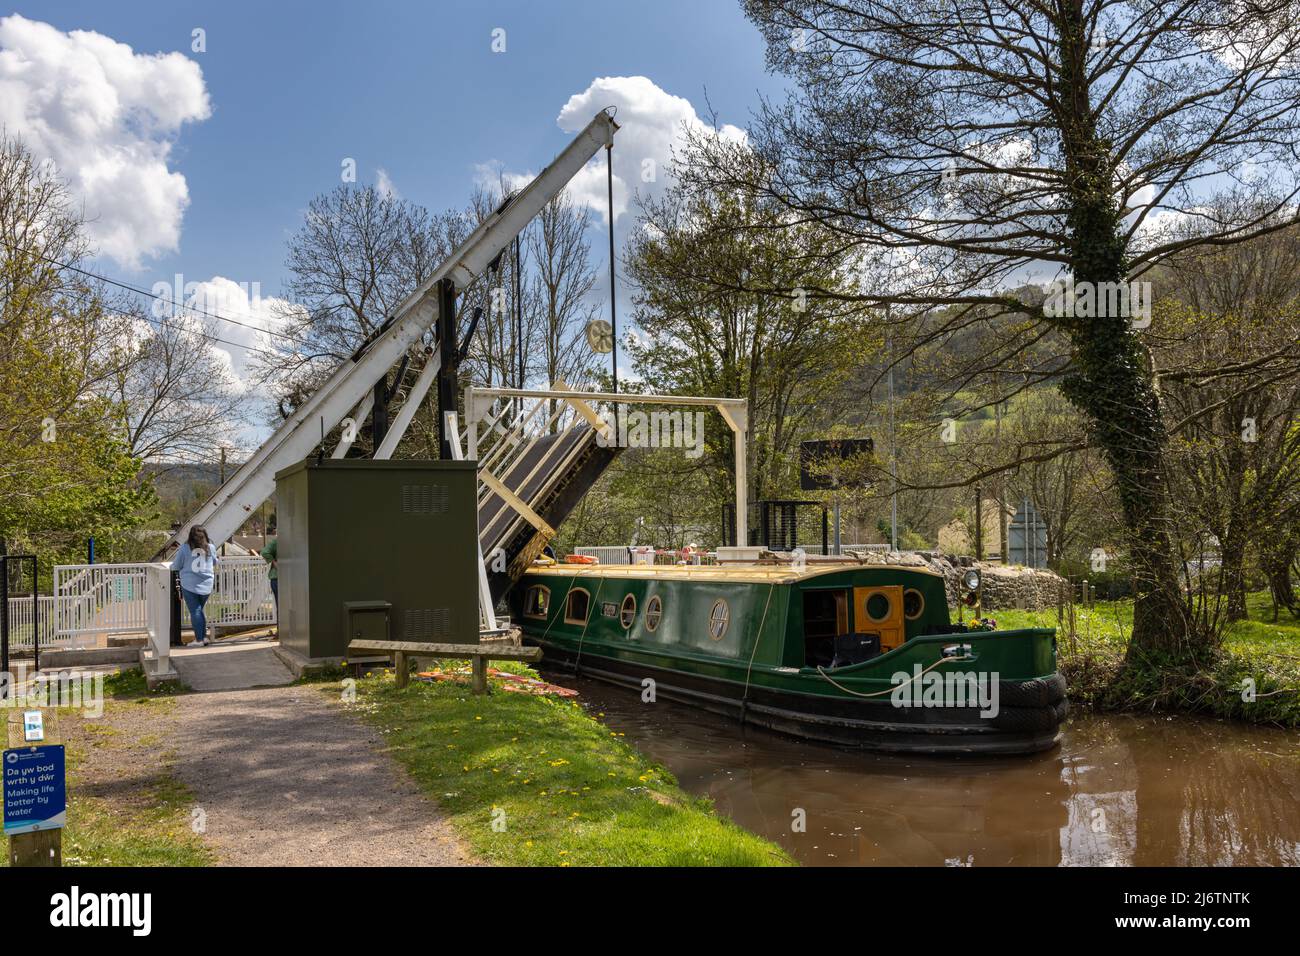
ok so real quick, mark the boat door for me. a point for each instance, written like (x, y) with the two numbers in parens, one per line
(879, 610)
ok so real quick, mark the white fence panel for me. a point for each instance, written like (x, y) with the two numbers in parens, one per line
(605, 554)
(21, 630)
(241, 595)
(98, 599)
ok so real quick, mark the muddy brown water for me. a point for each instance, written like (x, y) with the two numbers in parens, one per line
(1120, 790)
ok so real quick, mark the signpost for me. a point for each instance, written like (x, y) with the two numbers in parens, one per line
(35, 789)
(830, 465)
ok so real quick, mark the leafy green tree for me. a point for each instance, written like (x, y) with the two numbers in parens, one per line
(704, 265)
(65, 470)
(960, 144)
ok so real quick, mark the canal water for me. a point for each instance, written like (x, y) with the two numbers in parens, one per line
(1120, 790)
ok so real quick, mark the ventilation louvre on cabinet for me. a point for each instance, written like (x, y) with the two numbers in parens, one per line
(422, 623)
(424, 499)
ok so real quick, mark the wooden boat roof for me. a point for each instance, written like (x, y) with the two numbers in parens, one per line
(729, 573)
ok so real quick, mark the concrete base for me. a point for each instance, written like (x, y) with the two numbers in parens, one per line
(301, 666)
(118, 640)
(88, 656)
(155, 680)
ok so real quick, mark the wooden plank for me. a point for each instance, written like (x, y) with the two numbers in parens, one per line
(500, 652)
(514, 501)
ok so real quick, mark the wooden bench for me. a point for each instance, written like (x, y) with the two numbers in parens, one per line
(478, 654)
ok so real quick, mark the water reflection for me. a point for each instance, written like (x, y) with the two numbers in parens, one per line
(1148, 791)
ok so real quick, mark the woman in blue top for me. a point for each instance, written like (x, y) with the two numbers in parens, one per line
(196, 560)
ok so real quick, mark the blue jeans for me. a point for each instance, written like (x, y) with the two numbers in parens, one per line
(194, 602)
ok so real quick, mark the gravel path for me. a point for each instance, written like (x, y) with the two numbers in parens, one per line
(286, 777)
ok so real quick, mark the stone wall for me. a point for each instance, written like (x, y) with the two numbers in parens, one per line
(1004, 586)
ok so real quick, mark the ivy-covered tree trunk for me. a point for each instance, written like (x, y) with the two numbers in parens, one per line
(1113, 388)
(1112, 382)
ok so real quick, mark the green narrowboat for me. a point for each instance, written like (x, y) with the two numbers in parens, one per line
(836, 651)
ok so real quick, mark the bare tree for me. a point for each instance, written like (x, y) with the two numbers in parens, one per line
(176, 400)
(564, 279)
(358, 253)
(1228, 358)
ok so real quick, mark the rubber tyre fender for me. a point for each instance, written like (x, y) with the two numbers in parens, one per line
(1037, 692)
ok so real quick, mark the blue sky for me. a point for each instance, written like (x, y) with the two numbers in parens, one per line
(412, 88)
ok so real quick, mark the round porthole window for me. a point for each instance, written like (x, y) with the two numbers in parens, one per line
(627, 613)
(719, 619)
(654, 612)
(913, 603)
(878, 607)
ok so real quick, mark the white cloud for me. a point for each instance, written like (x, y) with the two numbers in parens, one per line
(384, 184)
(106, 116)
(259, 317)
(492, 175)
(652, 123)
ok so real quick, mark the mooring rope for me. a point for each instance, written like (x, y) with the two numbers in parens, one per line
(744, 697)
(577, 661)
(881, 693)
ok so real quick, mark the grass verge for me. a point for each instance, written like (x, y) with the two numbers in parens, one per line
(535, 781)
(125, 808)
(1254, 676)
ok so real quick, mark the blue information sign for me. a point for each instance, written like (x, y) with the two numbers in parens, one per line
(36, 795)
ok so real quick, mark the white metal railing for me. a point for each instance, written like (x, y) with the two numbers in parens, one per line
(504, 424)
(95, 599)
(241, 595)
(21, 630)
(605, 553)
(510, 431)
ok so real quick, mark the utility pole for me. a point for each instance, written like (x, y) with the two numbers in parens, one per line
(613, 288)
(1002, 476)
(979, 523)
(519, 319)
(893, 448)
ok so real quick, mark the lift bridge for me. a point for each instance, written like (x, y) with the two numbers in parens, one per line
(541, 450)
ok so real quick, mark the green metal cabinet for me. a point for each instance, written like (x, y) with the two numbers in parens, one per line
(358, 534)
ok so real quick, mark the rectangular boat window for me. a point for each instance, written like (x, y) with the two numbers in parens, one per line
(538, 601)
(577, 606)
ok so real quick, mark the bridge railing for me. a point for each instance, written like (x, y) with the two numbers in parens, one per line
(241, 595)
(97, 599)
(91, 601)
